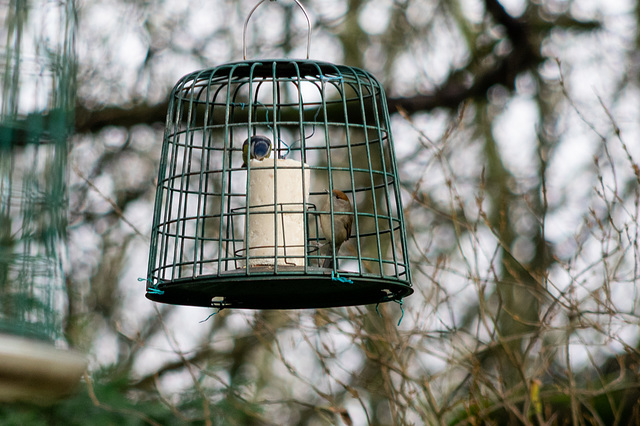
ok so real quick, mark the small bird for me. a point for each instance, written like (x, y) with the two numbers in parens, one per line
(258, 149)
(341, 223)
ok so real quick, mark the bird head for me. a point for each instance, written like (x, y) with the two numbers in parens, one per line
(339, 195)
(256, 147)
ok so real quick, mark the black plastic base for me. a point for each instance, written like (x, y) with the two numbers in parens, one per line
(279, 291)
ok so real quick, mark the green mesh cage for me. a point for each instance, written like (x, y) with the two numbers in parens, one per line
(250, 237)
(37, 69)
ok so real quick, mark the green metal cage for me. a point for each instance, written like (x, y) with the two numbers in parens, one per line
(36, 120)
(249, 237)
(37, 98)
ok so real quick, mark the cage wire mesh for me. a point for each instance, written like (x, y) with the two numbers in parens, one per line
(37, 69)
(250, 237)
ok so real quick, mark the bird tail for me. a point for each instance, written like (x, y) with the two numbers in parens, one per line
(328, 262)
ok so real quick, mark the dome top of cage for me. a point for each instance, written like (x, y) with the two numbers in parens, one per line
(283, 68)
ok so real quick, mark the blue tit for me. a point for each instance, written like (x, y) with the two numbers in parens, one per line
(259, 149)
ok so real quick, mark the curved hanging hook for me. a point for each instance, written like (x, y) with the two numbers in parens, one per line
(246, 23)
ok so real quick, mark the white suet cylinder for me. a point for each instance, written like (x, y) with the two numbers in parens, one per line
(282, 216)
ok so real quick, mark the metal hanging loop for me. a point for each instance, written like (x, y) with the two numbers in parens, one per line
(246, 23)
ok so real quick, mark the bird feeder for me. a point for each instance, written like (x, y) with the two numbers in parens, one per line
(229, 236)
(37, 64)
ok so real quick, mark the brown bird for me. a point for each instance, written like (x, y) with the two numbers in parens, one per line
(341, 223)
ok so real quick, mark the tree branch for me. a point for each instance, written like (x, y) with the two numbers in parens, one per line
(525, 38)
